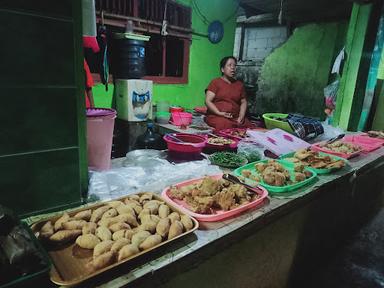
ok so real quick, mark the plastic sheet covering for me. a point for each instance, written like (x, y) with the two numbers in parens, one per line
(151, 174)
(251, 150)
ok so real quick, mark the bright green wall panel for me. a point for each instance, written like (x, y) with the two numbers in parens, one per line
(203, 61)
(294, 75)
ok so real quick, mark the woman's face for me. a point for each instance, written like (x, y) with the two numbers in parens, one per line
(229, 69)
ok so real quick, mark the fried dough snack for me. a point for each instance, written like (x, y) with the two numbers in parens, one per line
(116, 230)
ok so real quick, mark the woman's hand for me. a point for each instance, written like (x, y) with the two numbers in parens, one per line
(240, 120)
(226, 115)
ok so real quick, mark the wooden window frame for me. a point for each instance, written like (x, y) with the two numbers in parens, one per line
(148, 26)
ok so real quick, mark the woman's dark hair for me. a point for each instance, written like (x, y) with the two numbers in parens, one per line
(225, 60)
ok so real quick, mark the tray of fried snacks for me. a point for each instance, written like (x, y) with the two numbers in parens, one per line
(339, 148)
(368, 144)
(275, 175)
(220, 143)
(89, 241)
(211, 198)
(376, 134)
(320, 162)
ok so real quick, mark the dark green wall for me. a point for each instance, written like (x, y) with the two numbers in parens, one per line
(294, 75)
(42, 146)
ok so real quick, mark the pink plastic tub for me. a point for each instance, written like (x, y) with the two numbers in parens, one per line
(100, 123)
(191, 143)
(218, 215)
(181, 118)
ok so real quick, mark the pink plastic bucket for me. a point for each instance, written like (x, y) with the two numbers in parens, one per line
(181, 118)
(100, 123)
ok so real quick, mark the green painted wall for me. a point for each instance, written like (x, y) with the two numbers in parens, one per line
(294, 75)
(204, 57)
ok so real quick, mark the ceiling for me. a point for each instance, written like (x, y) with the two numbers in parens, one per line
(300, 11)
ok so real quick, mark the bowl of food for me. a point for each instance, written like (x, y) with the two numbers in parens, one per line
(228, 159)
(220, 143)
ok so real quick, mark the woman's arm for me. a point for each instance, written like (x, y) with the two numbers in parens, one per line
(243, 109)
(209, 96)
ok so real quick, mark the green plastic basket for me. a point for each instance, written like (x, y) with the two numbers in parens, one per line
(275, 189)
(317, 171)
(272, 123)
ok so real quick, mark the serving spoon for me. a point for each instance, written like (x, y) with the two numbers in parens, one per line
(234, 179)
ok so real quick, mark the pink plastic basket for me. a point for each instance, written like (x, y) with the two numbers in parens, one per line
(181, 118)
(318, 147)
(192, 143)
(367, 143)
(218, 215)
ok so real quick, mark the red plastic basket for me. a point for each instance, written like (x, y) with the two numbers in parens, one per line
(192, 143)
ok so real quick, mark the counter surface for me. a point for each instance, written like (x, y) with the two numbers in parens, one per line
(210, 232)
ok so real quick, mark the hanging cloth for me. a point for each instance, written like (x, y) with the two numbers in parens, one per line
(104, 65)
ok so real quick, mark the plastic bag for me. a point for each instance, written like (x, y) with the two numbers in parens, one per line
(251, 150)
(330, 93)
(329, 132)
(151, 175)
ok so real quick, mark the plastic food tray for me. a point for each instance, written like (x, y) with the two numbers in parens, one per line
(220, 147)
(368, 144)
(366, 136)
(229, 132)
(70, 261)
(219, 214)
(318, 171)
(271, 123)
(278, 141)
(276, 189)
(318, 147)
(25, 281)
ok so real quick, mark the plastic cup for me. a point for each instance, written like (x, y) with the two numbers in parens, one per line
(100, 124)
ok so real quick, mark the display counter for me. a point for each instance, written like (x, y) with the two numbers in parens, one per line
(276, 245)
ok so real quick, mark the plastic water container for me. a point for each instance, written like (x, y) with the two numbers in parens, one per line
(100, 123)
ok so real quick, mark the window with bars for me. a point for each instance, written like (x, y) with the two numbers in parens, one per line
(167, 57)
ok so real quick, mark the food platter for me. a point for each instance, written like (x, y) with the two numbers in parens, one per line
(72, 263)
(216, 214)
(327, 148)
(252, 176)
(228, 159)
(332, 162)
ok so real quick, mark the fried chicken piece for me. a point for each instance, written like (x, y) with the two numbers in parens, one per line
(260, 167)
(269, 178)
(319, 164)
(239, 190)
(246, 173)
(200, 204)
(300, 177)
(302, 154)
(175, 193)
(225, 199)
(299, 167)
(337, 164)
(209, 186)
(279, 179)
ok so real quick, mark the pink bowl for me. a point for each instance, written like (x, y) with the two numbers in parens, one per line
(192, 143)
(181, 118)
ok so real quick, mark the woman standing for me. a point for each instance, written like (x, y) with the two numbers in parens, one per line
(226, 99)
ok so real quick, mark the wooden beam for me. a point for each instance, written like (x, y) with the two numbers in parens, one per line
(354, 48)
